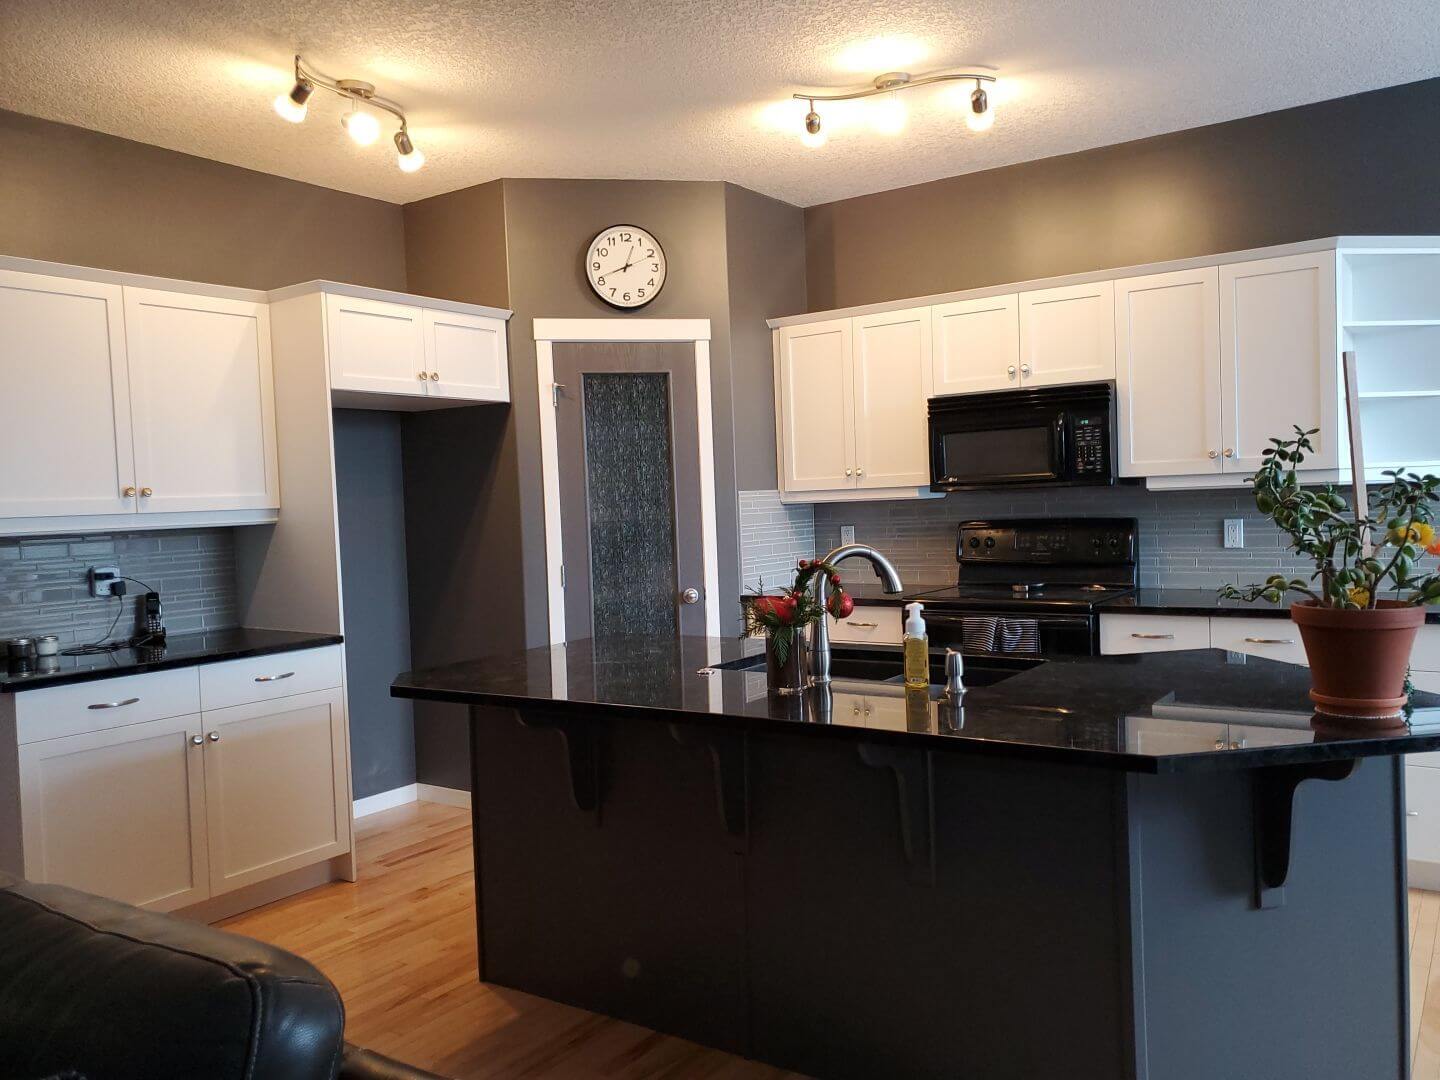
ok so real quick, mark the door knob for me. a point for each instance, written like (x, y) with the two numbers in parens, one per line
(690, 596)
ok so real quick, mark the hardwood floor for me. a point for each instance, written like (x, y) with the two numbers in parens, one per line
(400, 945)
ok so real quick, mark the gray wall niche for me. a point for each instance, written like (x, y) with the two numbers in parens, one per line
(371, 497)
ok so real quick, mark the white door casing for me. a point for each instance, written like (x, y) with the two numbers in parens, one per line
(696, 331)
(1167, 373)
(976, 345)
(1067, 334)
(892, 374)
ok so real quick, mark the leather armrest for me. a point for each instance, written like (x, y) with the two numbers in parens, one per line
(361, 1064)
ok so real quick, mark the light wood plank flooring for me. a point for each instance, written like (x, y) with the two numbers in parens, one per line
(400, 945)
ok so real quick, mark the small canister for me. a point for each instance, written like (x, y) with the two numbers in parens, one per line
(47, 645)
(22, 648)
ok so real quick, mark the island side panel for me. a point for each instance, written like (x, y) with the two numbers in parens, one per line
(1014, 963)
(1312, 989)
(633, 908)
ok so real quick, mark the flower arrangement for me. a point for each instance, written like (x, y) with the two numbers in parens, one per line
(1400, 522)
(781, 616)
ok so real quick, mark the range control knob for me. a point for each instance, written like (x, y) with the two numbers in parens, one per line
(1114, 541)
(989, 541)
(974, 541)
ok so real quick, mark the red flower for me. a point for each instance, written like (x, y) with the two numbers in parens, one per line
(780, 607)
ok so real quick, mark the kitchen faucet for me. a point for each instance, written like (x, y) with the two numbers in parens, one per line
(820, 630)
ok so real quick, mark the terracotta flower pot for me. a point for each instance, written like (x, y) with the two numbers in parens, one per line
(1358, 659)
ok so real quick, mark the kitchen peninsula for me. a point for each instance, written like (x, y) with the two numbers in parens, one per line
(1133, 866)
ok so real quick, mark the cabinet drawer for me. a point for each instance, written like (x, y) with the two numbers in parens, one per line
(1276, 639)
(1422, 814)
(106, 703)
(880, 625)
(1152, 633)
(261, 678)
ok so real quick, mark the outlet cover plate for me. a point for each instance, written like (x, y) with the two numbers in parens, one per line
(1234, 532)
(102, 578)
(847, 534)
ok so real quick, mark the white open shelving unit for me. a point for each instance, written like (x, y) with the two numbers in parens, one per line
(1390, 318)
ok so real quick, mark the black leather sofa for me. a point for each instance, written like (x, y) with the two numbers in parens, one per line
(92, 989)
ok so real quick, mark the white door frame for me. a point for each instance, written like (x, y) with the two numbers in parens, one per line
(695, 331)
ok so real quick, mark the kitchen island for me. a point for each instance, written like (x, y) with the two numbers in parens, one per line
(1146, 866)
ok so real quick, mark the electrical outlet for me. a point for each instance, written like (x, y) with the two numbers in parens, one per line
(847, 534)
(1234, 532)
(102, 579)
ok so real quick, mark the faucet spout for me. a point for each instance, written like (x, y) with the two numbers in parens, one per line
(820, 632)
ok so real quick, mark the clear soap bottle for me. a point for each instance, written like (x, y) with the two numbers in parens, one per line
(917, 648)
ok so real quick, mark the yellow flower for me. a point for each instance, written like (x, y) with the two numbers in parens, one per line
(1359, 595)
(1419, 533)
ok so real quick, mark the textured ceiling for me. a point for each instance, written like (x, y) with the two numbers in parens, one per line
(685, 89)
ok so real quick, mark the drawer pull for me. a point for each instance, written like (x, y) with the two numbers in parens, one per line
(1270, 640)
(114, 704)
(1154, 637)
(274, 678)
(863, 625)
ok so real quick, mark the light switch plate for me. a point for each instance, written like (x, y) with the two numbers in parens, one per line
(1234, 532)
(847, 534)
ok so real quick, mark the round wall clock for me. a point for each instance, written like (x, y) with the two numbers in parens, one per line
(626, 266)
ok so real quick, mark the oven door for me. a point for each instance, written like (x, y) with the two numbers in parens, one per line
(975, 443)
(977, 634)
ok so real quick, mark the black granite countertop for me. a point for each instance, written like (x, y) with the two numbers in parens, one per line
(1205, 602)
(1154, 712)
(180, 650)
(874, 593)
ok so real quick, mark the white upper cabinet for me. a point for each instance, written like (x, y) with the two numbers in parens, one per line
(466, 356)
(815, 391)
(1278, 351)
(375, 346)
(1167, 373)
(202, 402)
(892, 384)
(1067, 335)
(65, 409)
(976, 345)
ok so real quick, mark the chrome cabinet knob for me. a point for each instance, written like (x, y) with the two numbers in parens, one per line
(1024, 369)
(849, 472)
(690, 596)
(214, 736)
(1412, 813)
(434, 376)
(129, 493)
(423, 376)
(1229, 452)
(1214, 454)
(197, 740)
(1010, 371)
(147, 492)
(859, 472)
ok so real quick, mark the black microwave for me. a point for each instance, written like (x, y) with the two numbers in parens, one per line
(1056, 435)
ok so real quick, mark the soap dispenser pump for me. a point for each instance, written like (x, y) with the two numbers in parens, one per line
(917, 648)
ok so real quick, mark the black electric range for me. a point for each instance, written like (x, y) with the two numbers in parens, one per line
(1032, 586)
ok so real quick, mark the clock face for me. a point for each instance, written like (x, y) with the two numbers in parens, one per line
(626, 266)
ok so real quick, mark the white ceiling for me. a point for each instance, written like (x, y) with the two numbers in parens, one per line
(690, 89)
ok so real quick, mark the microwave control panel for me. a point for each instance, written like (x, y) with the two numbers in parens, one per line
(1090, 444)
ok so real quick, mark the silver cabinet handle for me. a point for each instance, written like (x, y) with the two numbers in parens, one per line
(129, 493)
(197, 740)
(1270, 640)
(274, 678)
(863, 625)
(849, 472)
(1154, 637)
(859, 472)
(214, 736)
(114, 704)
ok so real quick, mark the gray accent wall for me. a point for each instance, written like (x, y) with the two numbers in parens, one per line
(44, 584)
(371, 500)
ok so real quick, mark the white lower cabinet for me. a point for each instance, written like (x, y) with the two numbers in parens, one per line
(119, 812)
(164, 813)
(1120, 634)
(276, 794)
(1275, 639)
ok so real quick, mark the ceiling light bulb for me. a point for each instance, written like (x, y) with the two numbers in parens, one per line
(410, 159)
(980, 116)
(813, 136)
(814, 140)
(292, 106)
(888, 116)
(363, 127)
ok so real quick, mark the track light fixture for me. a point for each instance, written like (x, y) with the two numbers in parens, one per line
(359, 123)
(979, 115)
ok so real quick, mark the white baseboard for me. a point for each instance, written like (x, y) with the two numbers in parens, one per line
(447, 796)
(384, 800)
(1424, 875)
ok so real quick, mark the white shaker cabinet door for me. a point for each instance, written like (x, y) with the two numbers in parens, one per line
(375, 346)
(1067, 335)
(277, 794)
(976, 345)
(1279, 358)
(815, 394)
(466, 356)
(1167, 373)
(119, 812)
(65, 411)
(202, 393)
(892, 385)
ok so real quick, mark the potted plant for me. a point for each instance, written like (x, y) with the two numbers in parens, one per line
(1358, 613)
(781, 618)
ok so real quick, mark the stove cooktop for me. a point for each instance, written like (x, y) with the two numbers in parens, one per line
(1038, 598)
